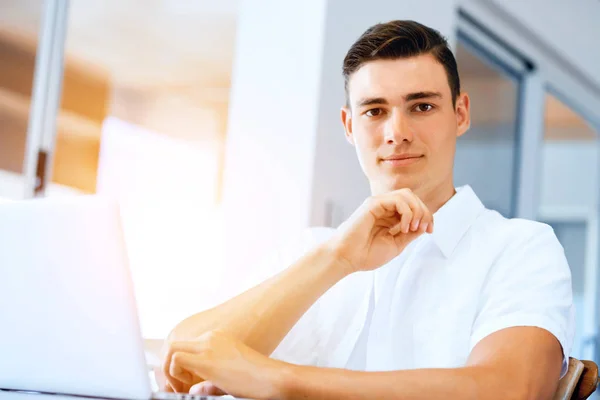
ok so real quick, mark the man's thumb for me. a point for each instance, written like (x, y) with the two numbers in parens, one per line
(206, 388)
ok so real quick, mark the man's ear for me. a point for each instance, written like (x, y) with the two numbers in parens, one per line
(347, 122)
(463, 114)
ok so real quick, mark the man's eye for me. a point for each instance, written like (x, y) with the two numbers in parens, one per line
(423, 107)
(374, 112)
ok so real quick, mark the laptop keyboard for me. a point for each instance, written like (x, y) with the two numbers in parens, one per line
(185, 396)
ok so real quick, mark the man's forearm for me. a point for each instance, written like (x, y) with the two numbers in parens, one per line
(468, 383)
(263, 315)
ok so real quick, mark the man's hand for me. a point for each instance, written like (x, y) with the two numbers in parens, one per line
(218, 363)
(380, 229)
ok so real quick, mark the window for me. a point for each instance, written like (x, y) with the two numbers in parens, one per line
(18, 49)
(569, 190)
(486, 156)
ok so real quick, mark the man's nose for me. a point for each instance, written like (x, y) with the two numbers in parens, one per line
(398, 129)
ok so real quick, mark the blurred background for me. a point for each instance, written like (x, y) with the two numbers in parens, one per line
(216, 125)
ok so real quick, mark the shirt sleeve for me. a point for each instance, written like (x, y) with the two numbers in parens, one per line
(529, 285)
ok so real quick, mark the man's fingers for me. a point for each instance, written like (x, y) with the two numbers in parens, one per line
(419, 212)
(168, 388)
(426, 219)
(186, 369)
(180, 373)
(206, 388)
(178, 383)
(430, 221)
(388, 222)
(159, 378)
(172, 384)
(191, 363)
(413, 213)
(410, 210)
(422, 217)
(406, 215)
(419, 217)
(385, 211)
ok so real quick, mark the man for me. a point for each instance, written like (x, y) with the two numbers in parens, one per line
(421, 293)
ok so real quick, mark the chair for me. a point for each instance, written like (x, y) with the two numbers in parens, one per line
(580, 381)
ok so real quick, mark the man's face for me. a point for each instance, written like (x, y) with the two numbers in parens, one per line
(403, 124)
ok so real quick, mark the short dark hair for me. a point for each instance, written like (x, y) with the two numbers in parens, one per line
(401, 39)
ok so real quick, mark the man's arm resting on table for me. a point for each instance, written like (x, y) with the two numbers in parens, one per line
(514, 363)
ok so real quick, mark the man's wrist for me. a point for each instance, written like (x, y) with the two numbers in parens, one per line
(286, 380)
(337, 265)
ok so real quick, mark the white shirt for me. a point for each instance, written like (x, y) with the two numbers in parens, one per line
(476, 274)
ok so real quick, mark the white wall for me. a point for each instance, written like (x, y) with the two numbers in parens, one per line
(271, 128)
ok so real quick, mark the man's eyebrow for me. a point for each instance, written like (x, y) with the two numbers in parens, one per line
(369, 101)
(422, 95)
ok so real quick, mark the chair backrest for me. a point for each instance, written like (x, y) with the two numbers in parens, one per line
(579, 382)
(568, 383)
(588, 381)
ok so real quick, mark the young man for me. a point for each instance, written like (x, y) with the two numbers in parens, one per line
(421, 293)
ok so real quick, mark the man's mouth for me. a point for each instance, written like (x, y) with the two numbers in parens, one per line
(402, 160)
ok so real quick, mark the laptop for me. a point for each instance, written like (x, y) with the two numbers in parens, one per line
(68, 314)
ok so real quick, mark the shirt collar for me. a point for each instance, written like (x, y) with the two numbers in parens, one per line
(454, 219)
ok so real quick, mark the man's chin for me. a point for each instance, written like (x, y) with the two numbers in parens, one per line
(389, 185)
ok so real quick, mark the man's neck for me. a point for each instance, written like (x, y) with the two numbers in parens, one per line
(436, 198)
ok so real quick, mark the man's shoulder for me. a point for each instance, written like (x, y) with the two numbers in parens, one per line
(491, 225)
(512, 239)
